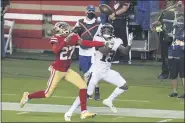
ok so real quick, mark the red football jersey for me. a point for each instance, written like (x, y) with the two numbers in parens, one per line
(63, 58)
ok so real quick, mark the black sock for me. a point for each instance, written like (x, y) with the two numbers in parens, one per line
(97, 91)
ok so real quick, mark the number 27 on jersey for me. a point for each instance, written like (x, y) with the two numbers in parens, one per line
(67, 52)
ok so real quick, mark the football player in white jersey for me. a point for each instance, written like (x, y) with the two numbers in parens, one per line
(101, 68)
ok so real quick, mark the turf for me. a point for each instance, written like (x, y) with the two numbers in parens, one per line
(56, 117)
(145, 90)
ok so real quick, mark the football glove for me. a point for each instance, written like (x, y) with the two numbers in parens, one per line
(109, 44)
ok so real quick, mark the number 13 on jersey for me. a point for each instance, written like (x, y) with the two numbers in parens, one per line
(67, 52)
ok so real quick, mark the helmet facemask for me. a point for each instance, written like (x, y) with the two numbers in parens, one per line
(107, 31)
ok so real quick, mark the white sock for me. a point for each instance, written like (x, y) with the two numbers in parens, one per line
(74, 106)
(115, 93)
(175, 90)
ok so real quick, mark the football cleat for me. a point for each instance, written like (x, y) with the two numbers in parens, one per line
(173, 94)
(110, 105)
(24, 99)
(182, 96)
(67, 116)
(87, 114)
(89, 97)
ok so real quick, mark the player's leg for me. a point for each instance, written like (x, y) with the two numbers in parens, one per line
(93, 81)
(115, 78)
(76, 79)
(52, 84)
(173, 65)
(76, 103)
(85, 63)
(97, 89)
(182, 75)
(69, 113)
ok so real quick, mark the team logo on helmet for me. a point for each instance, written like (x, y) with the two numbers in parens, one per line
(61, 28)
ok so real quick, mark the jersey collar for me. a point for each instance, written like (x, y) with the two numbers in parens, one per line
(89, 22)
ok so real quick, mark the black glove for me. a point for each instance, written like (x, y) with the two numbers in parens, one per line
(78, 30)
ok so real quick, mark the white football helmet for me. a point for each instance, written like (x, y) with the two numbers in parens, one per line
(107, 30)
(61, 28)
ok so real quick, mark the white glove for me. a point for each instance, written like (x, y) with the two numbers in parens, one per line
(130, 39)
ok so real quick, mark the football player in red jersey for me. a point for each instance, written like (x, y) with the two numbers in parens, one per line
(63, 45)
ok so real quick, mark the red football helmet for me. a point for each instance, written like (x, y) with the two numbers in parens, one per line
(62, 28)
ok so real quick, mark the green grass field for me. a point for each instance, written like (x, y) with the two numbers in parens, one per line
(145, 92)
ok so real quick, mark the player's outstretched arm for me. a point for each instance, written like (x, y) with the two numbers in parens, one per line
(91, 43)
(125, 50)
(74, 37)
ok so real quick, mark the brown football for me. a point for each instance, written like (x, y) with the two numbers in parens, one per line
(105, 9)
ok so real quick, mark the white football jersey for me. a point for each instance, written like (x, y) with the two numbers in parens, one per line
(102, 61)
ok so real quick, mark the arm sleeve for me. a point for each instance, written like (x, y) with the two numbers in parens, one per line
(124, 50)
(92, 43)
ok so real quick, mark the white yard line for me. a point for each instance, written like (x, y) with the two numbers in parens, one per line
(64, 97)
(142, 101)
(117, 118)
(9, 94)
(22, 113)
(134, 112)
(164, 120)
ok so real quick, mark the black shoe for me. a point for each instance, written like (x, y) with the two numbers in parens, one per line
(181, 96)
(173, 94)
(89, 97)
(163, 76)
(97, 94)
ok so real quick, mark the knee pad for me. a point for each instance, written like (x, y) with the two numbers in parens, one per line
(124, 87)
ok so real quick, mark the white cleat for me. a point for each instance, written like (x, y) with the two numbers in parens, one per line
(67, 116)
(110, 105)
